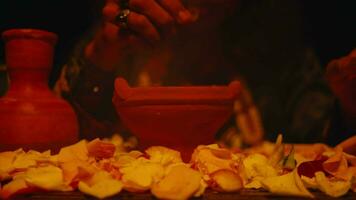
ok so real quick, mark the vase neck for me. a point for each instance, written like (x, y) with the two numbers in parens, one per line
(27, 83)
(29, 55)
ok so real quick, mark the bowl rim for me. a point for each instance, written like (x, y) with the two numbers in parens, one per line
(124, 95)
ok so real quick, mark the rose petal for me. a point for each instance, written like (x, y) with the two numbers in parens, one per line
(100, 149)
(288, 184)
(226, 181)
(163, 155)
(101, 185)
(180, 183)
(74, 152)
(48, 178)
(332, 188)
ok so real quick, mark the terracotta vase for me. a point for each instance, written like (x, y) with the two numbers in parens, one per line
(31, 116)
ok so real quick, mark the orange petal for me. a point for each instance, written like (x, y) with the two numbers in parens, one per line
(108, 166)
(48, 178)
(208, 159)
(180, 183)
(308, 151)
(14, 187)
(332, 188)
(337, 165)
(140, 175)
(100, 149)
(76, 171)
(163, 155)
(6, 160)
(31, 158)
(226, 181)
(101, 185)
(74, 152)
(287, 184)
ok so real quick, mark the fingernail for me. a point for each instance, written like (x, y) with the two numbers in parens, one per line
(184, 17)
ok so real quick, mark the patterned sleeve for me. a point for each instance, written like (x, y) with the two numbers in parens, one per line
(89, 90)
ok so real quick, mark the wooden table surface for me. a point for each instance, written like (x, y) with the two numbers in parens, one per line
(209, 195)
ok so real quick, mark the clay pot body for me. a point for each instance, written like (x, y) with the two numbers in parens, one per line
(176, 117)
(31, 116)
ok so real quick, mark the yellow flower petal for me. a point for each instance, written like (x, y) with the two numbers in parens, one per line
(48, 178)
(101, 185)
(181, 182)
(74, 152)
(288, 184)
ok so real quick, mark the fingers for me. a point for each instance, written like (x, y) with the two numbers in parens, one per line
(110, 10)
(138, 23)
(151, 19)
(155, 13)
(142, 26)
(177, 10)
(110, 32)
(163, 8)
(110, 37)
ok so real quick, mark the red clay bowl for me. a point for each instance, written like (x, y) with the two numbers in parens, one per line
(177, 117)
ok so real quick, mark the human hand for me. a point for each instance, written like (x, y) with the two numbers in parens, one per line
(147, 22)
(149, 19)
(341, 76)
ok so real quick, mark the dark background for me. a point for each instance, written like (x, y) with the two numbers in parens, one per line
(330, 27)
(327, 26)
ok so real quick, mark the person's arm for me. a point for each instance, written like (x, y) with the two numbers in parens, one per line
(341, 77)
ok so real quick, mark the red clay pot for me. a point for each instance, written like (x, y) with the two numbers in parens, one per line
(177, 117)
(31, 116)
